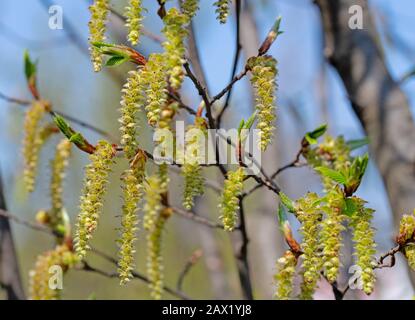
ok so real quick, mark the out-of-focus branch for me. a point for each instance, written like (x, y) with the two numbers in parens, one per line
(201, 220)
(10, 278)
(136, 275)
(82, 123)
(194, 258)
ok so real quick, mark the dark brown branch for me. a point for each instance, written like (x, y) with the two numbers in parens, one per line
(230, 85)
(242, 256)
(203, 93)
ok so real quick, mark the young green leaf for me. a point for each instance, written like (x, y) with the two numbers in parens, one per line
(356, 144)
(29, 66)
(332, 174)
(248, 124)
(287, 202)
(349, 207)
(282, 215)
(312, 136)
(240, 127)
(63, 125)
(359, 166)
(116, 61)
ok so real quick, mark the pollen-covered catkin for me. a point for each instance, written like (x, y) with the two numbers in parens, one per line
(409, 251)
(229, 202)
(39, 288)
(330, 235)
(155, 84)
(406, 238)
(189, 8)
(31, 142)
(58, 164)
(97, 24)
(175, 32)
(154, 256)
(264, 73)
(285, 275)
(194, 181)
(153, 201)
(91, 203)
(133, 179)
(133, 13)
(131, 101)
(407, 228)
(364, 244)
(222, 10)
(309, 214)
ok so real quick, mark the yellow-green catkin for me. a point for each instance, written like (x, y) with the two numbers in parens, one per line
(154, 79)
(229, 202)
(190, 7)
(175, 32)
(222, 10)
(31, 145)
(364, 244)
(91, 203)
(133, 13)
(309, 214)
(132, 98)
(406, 238)
(39, 288)
(285, 275)
(58, 167)
(407, 228)
(409, 251)
(154, 256)
(152, 204)
(330, 235)
(133, 179)
(193, 183)
(264, 73)
(194, 180)
(97, 24)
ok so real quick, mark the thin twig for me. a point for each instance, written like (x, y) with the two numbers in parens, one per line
(25, 103)
(136, 275)
(26, 223)
(194, 258)
(230, 85)
(201, 220)
(235, 61)
(203, 93)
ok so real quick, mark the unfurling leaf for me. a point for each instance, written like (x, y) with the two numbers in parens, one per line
(312, 136)
(356, 144)
(332, 174)
(287, 202)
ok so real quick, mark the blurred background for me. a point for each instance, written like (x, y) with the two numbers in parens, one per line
(310, 93)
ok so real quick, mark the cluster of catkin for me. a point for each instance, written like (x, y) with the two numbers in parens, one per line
(149, 88)
(323, 219)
